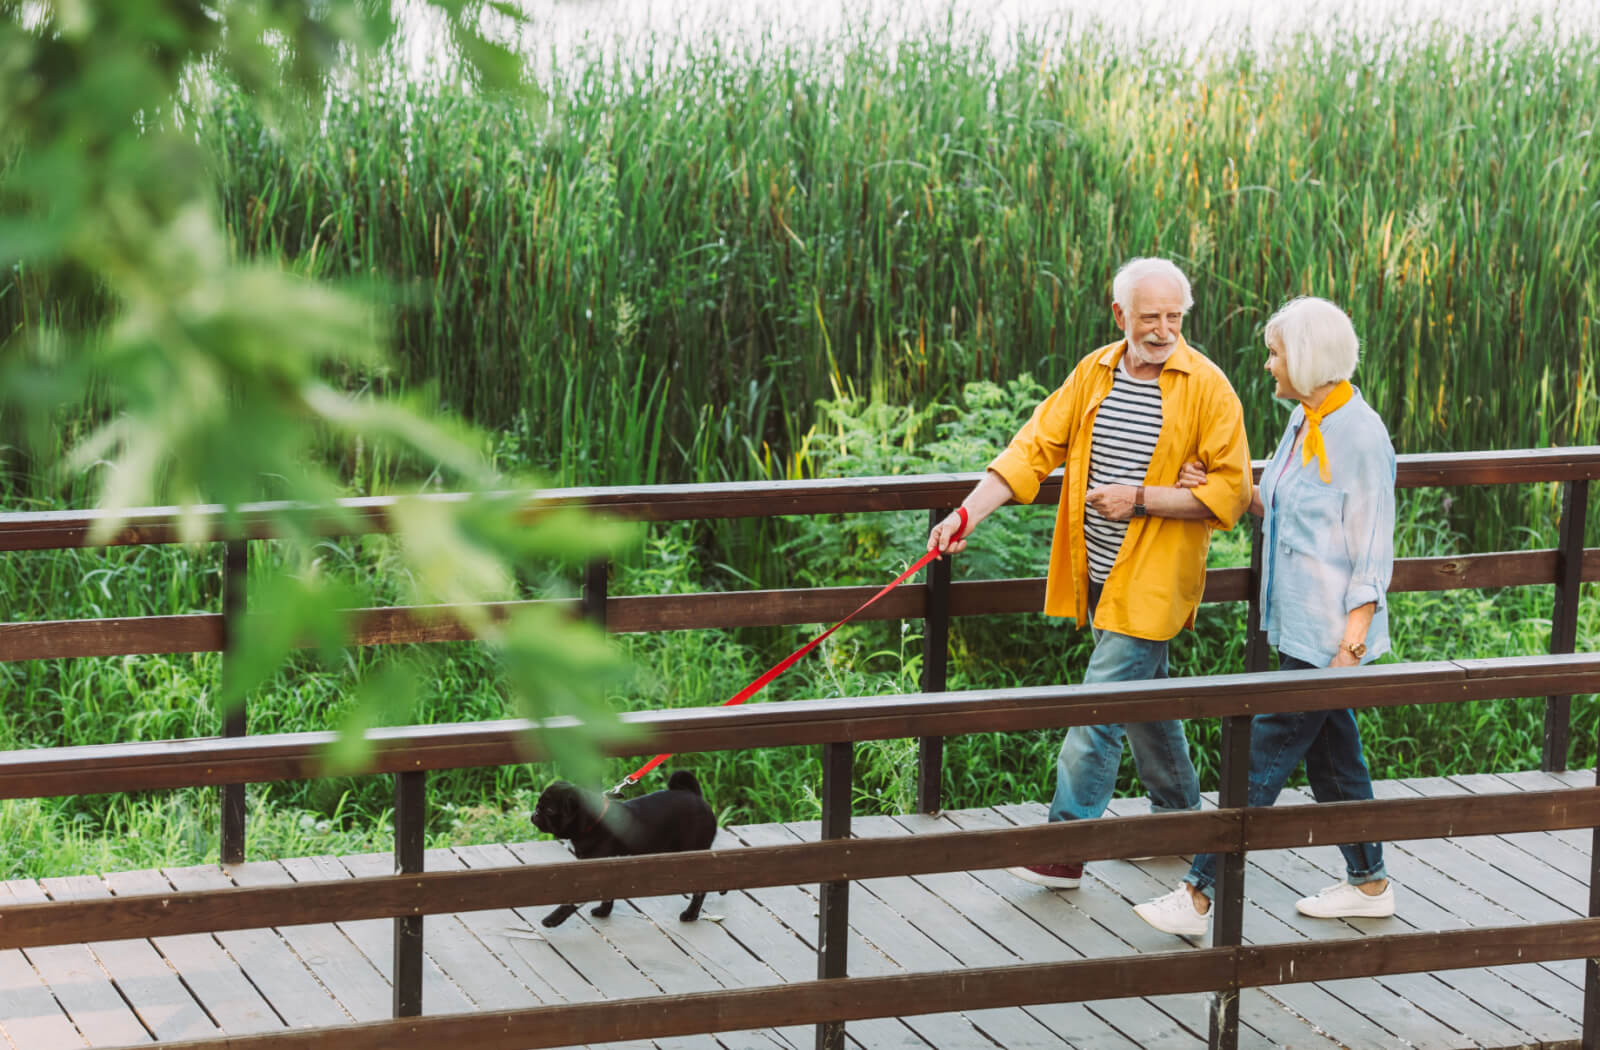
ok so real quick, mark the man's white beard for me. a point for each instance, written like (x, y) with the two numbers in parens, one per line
(1147, 355)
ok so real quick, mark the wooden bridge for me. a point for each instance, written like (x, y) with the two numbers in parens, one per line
(241, 982)
(869, 932)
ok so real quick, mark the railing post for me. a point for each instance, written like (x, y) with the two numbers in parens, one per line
(1591, 966)
(594, 591)
(410, 819)
(1227, 925)
(1564, 621)
(935, 663)
(235, 581)
(833, 913)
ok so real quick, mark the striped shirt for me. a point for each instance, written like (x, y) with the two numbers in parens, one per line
(1125, 433)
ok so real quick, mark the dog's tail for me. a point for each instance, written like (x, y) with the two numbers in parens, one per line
(683, 780)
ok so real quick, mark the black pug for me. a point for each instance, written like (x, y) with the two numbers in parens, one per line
(667, 821)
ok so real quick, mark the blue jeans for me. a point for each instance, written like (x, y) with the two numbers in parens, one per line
(1086, 768)
(1330, 743)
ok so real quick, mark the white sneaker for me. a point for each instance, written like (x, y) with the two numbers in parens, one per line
(1344, 901)
(1175, 913)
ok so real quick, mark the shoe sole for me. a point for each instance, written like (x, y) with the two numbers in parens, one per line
(1176, 933)
(1045, 880)
(1363, 914)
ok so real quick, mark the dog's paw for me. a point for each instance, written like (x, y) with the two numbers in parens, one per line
(601, 910)
(551, 921)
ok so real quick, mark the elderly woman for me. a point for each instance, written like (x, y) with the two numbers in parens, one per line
(1326, 501)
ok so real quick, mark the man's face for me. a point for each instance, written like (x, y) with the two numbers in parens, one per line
(1154, 322)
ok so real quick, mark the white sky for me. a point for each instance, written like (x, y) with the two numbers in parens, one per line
(562, 26)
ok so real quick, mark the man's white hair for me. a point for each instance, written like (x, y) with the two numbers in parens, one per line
(1318, 342)
(1135, 272)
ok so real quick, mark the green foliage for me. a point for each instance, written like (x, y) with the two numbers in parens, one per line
(657, 268)
(191, 376)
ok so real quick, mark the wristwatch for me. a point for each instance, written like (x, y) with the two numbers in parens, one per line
(1138, 502)
(1357, 650)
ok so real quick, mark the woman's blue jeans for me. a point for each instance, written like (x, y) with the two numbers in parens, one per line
(1330, 743)
(1086, 767)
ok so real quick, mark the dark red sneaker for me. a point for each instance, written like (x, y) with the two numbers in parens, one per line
(1056, 876)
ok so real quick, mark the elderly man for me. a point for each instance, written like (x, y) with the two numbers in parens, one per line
(1130, 546)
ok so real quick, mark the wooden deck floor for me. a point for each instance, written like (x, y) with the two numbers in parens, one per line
(125, 992)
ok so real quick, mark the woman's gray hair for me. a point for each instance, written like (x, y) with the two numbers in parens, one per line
(1318, 342)
(1135, 272)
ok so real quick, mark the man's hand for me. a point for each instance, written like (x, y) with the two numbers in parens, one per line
(1112, 501)
(1191, 475)
(947, 536)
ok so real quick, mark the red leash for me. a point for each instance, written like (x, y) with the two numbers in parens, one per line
(789, 661)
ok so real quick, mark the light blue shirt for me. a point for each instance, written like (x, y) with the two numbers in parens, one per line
(1329, 547)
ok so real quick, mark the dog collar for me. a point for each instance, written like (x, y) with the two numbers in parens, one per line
(595, 823)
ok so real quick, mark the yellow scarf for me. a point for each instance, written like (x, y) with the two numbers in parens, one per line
(1314, 445)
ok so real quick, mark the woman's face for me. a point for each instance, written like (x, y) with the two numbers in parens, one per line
(1278, 367)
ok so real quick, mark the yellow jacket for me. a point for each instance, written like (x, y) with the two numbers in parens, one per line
(1155, 585)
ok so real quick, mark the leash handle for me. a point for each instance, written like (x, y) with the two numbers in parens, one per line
(789, 661)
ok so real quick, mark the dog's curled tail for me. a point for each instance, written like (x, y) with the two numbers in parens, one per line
(683, 780)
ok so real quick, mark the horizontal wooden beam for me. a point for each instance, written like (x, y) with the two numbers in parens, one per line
(152, 765)
(202, 632)
(832, 860)
(73, 528)
(906, 995)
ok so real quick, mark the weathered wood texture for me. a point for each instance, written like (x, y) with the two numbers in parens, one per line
(831, 860)
(204, 632)
(61, 529)
(961, 958)
(290, 756)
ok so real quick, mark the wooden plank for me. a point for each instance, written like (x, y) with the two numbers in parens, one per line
(360, 515)
(635, 941)
(161, 1001)
(739, 942)
(341, 967)
(271, 965)
(1454, 904)
(1535, 874)
(214, 979)
(920, 931)
(1112, 909)
(1580, 839)
(114, 636)
(1454, 997)
(1484, 878)
(517, 943)
(397, 625)
(461, 958)
(375, 937)
(1547, 846)
(80, 985)
(1073, 917)
(797, 909)
(30, 1017)
(1102, 1025)
(293, 756)
(581, 951)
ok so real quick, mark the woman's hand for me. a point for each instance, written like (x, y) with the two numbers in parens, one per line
(1191, 475)
(1344, 658)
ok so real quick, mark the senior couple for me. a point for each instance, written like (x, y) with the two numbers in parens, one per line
(1152, 435)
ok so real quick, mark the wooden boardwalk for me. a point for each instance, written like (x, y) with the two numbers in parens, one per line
(135, 991)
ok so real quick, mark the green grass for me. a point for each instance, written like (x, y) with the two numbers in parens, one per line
(659, 274)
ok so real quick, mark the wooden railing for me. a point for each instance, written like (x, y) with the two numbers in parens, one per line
(232, 761)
